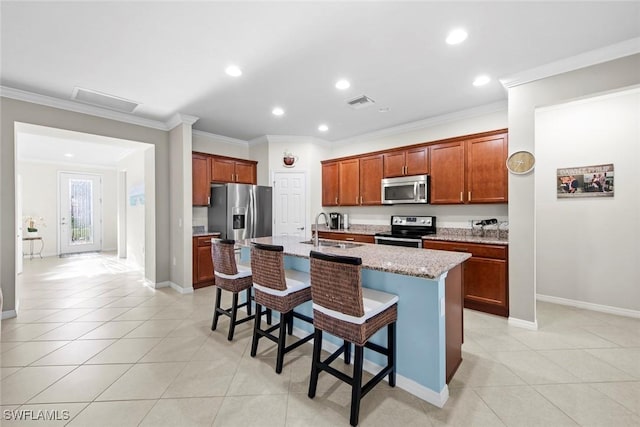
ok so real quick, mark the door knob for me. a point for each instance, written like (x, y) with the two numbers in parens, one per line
(300, 228)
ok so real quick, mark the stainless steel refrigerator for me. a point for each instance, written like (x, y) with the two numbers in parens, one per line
(241, 211)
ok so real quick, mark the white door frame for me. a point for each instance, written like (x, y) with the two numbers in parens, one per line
(58, 219)
(307, 221)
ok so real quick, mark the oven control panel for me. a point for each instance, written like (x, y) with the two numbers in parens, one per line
(415, 221)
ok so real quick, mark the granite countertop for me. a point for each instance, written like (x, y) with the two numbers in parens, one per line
(205, 234)
(445, 234)
(417, 262)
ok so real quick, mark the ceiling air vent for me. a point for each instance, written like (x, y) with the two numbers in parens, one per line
(103, 100)
(360, 102)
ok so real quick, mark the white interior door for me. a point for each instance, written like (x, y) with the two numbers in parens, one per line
(80, 213)
(289, 204)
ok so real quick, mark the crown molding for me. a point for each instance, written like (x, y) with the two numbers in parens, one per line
(220, 138)
(586, 59)
(427, 123)
(63, 104)
(179, 119)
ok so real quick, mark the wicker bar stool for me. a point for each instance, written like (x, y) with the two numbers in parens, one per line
(281, 290)
(342, 307)
(232, 278)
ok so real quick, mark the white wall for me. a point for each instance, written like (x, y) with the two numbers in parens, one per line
(134, 167)
(462, 123)
(523, 101)
(40, 199)
(598, 260)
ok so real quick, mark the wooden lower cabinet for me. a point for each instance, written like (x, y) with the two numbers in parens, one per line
(350, 237)
(202, 262)
(486, 284)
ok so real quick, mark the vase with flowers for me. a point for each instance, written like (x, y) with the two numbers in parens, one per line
(32, 224)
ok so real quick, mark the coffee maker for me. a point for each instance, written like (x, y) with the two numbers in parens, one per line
(335, 220)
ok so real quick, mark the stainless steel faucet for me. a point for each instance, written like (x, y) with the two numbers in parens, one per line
(316, 241)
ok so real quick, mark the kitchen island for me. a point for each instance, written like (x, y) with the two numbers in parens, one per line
(429, 327)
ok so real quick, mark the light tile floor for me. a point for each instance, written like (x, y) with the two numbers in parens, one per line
(92, 340)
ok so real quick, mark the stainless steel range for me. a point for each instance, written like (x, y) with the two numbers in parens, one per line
(407, 231)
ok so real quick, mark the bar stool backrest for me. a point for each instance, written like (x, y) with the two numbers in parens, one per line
(335, 283)
(267, 265)
(224, 257)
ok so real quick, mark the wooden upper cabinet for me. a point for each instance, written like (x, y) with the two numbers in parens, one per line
(233, 170)
(222, 170)
(412, 161)
(370, 177)
(349, 189)
(394, 164)
(246, 172)
(200, 180)
(486, 169)
(447, 173)
(417, 161)
(330, 184)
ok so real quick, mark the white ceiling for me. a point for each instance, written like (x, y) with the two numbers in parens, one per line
(44, 144)
(171, 56)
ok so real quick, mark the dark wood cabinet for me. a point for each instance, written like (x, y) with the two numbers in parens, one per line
(486, 169)
(202, 262)
(330, 184)
(225, 169)
(412, 161)
(201, 190)
(370, 177)
(349, 176)
(350, 237)
(447, 173)
(486, 284)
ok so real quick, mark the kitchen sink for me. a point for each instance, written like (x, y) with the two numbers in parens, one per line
(333, 244)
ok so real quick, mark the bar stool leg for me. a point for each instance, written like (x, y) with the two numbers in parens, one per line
(391, 346)
(256, 327)
(284, 320)
(356, 387)
(290, 323)
(216, 309)
(347, 352)
(268, 316)
(248, 301)
(234, 315)
(317, 347)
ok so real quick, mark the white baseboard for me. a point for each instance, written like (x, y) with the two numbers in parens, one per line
(8, 314)
(589, 306)
(420, 391)
(169, 284)
(525, 324)
(158, 285)
(180, 289)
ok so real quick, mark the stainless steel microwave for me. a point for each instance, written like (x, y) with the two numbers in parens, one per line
(405, 189)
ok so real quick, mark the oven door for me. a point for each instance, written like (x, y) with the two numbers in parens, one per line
(398, 241)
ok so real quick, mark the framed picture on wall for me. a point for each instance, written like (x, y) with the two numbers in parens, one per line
(585, 181)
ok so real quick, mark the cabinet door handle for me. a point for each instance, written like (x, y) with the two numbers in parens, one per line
(461, 196)
(360, 199)
(336, 200)
(209, 200)
(351, 239)
(231, 177)
(469, 196)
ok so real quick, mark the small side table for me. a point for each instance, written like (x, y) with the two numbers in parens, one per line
(31, 240)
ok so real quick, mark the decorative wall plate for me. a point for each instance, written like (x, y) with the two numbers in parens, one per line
(521, 162)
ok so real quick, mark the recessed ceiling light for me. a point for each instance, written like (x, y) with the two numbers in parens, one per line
(481, 80)
(277, 111)
(384, 110)
(323, 128)
(456, 36)
(343, 84)
(233, 71)
(68, 155)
